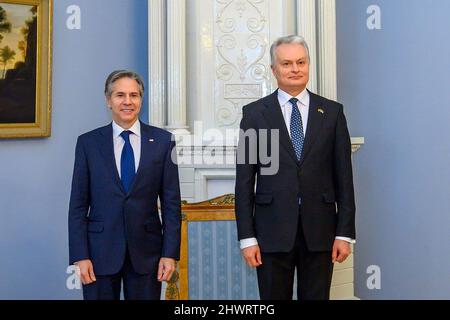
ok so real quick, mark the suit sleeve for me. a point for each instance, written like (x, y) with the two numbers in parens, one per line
(79, 206)
(343, 177)
(245, 180)
(169, 195)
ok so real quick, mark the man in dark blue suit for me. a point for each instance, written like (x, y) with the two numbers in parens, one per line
(115, 231)
(301, 216)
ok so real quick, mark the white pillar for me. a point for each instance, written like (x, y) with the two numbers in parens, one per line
(157, 62)
(327, 48)
(306, 27)
(176, 67)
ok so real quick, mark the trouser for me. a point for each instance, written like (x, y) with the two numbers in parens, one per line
(135, 286)
(314, 272)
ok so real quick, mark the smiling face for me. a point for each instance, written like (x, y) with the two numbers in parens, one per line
(291, 68)
(125, 102)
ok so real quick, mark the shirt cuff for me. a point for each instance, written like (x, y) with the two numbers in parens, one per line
(352, 241)
(248, 242)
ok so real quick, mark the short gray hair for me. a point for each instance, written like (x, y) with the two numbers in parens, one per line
(287, 40)
(119, 74)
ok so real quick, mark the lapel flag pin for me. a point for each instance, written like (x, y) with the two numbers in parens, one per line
(320, 110)
(151, 140)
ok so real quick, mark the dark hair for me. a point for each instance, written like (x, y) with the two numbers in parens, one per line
(119, 74)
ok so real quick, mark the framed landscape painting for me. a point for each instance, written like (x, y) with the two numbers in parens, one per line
(25, 68)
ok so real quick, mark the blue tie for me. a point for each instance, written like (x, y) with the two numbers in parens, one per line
(127, 167)
(297, 136)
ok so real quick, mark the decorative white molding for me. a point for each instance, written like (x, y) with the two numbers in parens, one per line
(357, 143)
(200, 62)
(157, 62)
(198, 156)
(327, 83)
(242, 73)
(228, 58)
(242, 28)
(306, 27)
(203, 175)
(176, 66)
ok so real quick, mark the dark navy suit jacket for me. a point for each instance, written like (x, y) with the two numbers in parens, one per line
(104, 220)
(322, 180)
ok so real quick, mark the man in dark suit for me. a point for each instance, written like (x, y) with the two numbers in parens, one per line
(303, 215)
(115, 231)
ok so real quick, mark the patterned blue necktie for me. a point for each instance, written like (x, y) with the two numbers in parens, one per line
(297, 136)
(127, 167)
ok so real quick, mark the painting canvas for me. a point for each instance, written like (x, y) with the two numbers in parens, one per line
(25, 66)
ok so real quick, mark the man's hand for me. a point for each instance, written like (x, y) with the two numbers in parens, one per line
(87, 275)
(341, 250)
(165, 269)
(252, 255)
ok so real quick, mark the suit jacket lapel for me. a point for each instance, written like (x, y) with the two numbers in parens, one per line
(275, 118)
(146, 152)
(107, 150)
(315, 120)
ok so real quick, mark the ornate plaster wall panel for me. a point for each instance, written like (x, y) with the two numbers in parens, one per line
(228, 44)
(242, 55)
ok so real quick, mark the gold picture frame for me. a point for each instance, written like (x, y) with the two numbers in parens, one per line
(25, 68)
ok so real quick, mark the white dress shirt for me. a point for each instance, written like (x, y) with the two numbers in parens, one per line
(119, 142)
(286, 110)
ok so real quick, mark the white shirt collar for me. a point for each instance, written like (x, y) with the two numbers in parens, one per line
(135, 128)
(284, 97)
